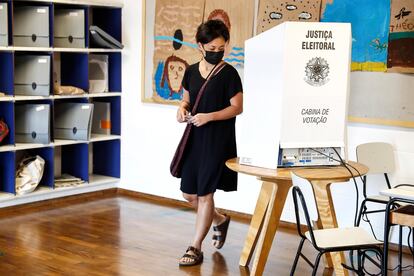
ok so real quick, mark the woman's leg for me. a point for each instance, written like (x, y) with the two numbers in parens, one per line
(193, 200)
(205, 214)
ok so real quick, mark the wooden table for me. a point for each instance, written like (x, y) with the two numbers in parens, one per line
(272, 197)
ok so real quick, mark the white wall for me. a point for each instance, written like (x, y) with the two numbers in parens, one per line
(150, 135)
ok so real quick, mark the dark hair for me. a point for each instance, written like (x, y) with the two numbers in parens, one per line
(210, 30)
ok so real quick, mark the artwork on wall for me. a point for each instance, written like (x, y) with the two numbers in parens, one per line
(176, 22)
(369, 30)
(238, 17)
(273, 12)
(170, 46)
(401, 40)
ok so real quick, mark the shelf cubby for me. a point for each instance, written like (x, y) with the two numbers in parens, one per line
(74, 70)
(47, 153)
(115, 110)
(72, 9)
(73, 160)
(114, 71)
(109, 19)
(39, 5)
(33, 114)
(35, 84)
(105, 159)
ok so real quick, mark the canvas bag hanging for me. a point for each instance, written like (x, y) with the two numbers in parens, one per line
(176, 163)
(29, 174)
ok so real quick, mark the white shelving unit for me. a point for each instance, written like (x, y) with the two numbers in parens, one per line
(59, 50)
(100, 173)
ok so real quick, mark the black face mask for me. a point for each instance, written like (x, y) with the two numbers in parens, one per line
(214, 57)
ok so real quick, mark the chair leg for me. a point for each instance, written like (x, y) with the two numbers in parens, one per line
(400, 249)
(315, 266)
(412, 248)
(295, 262)
(362, 211)
(360, 270)
(385, 248)
(351, 259)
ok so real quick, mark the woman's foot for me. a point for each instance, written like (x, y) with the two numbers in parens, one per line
(192, 256)
(220, 232)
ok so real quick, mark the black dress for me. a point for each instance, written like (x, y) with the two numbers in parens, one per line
(212, 144)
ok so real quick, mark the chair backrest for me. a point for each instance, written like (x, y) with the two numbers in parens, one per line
(307, 190)
(305, 205)
(379, 157)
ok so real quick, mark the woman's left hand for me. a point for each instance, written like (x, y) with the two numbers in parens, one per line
(201, 119)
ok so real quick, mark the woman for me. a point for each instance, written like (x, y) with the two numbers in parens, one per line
(212, 140)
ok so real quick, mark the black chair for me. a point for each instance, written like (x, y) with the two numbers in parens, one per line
(379, 157)
(326, 240)
(392, 205)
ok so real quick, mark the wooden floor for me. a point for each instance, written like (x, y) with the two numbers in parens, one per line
(124, 236)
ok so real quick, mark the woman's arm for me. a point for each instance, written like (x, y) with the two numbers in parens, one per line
(184, 107)
(235, 108)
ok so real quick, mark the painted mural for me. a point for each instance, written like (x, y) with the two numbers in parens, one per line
(370, 29)
(273, 12)
(238, 17)
(401, 40)
(176, 22)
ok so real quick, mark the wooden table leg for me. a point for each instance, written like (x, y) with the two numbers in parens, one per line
(270, 224)
(327, 219)
(256, 223)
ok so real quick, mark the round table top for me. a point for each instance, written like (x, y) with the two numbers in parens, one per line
(310, 173)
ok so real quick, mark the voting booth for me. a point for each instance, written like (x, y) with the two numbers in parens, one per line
(296, 87)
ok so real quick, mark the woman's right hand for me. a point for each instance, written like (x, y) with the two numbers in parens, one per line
(182, 114)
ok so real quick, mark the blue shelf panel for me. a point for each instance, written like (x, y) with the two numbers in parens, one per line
(74, 70)
(109, 20)
(75, 160)
(115, 113)
(6, 73)
(115, 72)
(51, 23)
(48, 155)
(107, 158)
(7, 113)
(7, 172)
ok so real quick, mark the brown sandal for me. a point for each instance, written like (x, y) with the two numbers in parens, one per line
(196, 257)
(221, 232)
